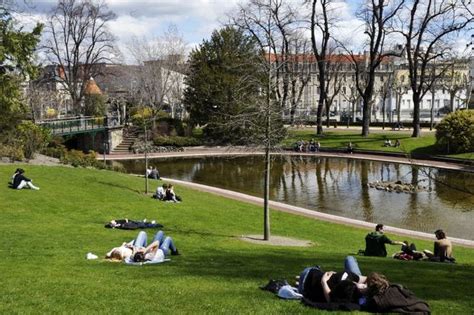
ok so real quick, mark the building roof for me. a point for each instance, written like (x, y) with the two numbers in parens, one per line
(92, 88)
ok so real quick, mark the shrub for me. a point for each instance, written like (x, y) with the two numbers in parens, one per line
(456, 132)
(78, 158)
(176, 141)
(31, 138)
(14, 153)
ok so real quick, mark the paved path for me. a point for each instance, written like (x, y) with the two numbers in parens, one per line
(223, 151)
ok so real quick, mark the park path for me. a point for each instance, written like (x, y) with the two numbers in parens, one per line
(229, 151)
(223, 151)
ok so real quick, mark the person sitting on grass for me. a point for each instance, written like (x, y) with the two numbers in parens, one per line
(375, 242)
(350, 148)
(387, 143)
(397, 143)
(20, 181)
(170, 194)
(161, 192)
(155, 252)
(443, 248)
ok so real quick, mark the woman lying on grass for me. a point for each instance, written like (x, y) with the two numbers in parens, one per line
(137, 251)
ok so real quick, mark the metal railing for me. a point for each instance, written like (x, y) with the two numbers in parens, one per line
(75, 125)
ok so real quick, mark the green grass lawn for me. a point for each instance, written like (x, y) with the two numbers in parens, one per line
(340, 138)
(47, 233)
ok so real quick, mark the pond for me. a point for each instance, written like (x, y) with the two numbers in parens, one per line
(339, 186)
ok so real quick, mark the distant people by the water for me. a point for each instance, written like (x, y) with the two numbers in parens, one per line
(387, 143)
(397, 143)
(152, 172)
(350, 148)
(375, 242)
(20, 181)
(443, 248)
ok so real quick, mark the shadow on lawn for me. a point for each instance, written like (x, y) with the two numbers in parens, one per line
(432, 281)
(119, 186)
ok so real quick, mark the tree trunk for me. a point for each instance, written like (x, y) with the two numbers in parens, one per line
(416, 116)
(432, 109)
(319, 123)
(366, 116)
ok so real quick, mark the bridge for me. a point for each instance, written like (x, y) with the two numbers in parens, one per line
(101, 134)
(77, 125)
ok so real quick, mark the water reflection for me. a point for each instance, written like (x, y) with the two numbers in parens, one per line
(339, 186)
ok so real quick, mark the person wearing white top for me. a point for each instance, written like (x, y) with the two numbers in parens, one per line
(156, 252)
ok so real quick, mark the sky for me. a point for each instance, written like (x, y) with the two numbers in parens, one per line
(194, 19)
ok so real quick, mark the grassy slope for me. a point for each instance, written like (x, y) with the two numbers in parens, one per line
(46, 234)
(339, 139)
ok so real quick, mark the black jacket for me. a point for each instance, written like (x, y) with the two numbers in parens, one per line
(18, 178)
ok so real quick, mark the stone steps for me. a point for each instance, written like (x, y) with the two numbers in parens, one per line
(124, 146)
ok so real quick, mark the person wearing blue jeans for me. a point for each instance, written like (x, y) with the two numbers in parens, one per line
(350, 264)
(155, 252)
(165, 245)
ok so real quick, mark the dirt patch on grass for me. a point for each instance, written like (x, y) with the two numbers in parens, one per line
(276, 241)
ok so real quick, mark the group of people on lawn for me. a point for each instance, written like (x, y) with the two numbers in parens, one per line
(315, 285)
(350, 290)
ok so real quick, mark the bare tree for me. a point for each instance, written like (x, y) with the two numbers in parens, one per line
(78, 40)
(158, 81)
(377, 15)
(322, 22)
(287, 47)
(428, 28)
(335, 82)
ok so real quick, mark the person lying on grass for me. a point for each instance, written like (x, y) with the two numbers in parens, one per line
(350, 290)
(331, 286)
(137, 251)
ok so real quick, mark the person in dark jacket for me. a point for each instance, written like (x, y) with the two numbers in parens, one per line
(20, 181)
(375, 242)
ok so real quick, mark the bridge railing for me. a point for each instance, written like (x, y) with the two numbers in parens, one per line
(75, 125)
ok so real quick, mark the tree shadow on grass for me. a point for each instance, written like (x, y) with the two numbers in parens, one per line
(431, 281)
(119, 186)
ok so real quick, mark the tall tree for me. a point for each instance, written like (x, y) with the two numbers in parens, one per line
(274, 24)
(17, 48)
(428, 28)
(322, 25)
(231, 90)
(214, 84)
(78, 40)
(377, 16)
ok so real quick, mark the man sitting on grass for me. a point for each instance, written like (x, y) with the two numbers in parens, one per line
(375, 242)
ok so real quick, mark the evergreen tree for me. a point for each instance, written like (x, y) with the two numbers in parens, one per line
(16, 65)
(221, 84)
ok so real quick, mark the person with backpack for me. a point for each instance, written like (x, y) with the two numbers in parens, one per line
(375, 242)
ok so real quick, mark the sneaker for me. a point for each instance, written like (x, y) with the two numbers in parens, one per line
(175, 253)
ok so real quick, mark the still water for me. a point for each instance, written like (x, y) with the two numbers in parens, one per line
(339, 186)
